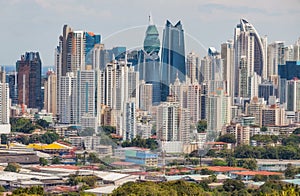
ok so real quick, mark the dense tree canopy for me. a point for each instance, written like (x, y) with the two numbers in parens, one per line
(143, 143)
(201, 126)
(228, 138)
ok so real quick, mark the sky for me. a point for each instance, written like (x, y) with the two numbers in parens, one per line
(35, 25)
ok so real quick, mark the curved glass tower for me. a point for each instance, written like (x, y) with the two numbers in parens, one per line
(249, 51)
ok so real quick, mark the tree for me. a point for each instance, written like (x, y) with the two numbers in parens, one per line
(248, 164)
(228, 138)
(296, 131)
(43, 123)
(34, 190)
(55, 160)
(290, 171)
(231, 185)
(43, 161)
(263, 129)
(3, 139)
(219, 162)
(12, 167)
(201, 126)
(92, 158)
(49, 137)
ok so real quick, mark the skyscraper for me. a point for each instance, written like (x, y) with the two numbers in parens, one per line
(149, 61)
(249, 50)
(4, 103)
(50, 96)
(29, 80)
(192, 64)
(173, 56)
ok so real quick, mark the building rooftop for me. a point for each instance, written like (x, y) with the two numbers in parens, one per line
(225, 169)
(253, 173)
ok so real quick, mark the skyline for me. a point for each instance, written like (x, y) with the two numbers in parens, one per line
(206, 24)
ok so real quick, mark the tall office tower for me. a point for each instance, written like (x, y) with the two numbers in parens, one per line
(4, 107)
(167, 121)
(86, 94)
(273, 116)
(68, 99)
(228, 66)
(275, 57)
(145, 96)
(149, 61)
(100, 57)
(289, 70)
(192, 62)
(218, 110)
(289, 53)
(266, 90)
(2, 75)
(130, 121)
(212, 70)
(133, 85)
(50, 96)
(254, 108)
(172, 56)
(184, 129)
(91, 40)
(293, 95)
(194, 102)
(29, 80)
(204, 102)
(11, 78)
(297, 50)
(249, 52)
(178, 91)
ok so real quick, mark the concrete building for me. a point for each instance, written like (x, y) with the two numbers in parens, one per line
(4, 108)
(50, 93)
(273, 115)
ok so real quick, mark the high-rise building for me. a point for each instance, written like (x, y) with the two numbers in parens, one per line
(265, 90)
(293, 95)
(145, 96)
(86, 94)
(249, 55)
(130, 131)
(275, 57)
(218, 110)
(29, 80)
(50, 93)
(290, 70)
(254, 108)
(68, 99)
(273, 115)
(192, 64)
(228, 66)
(4, 108)
(212, 70)
(172, 57)
(167, 121)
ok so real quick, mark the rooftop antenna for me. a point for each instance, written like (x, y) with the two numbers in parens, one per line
(150, 19)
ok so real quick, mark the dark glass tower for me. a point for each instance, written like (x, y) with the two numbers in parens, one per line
(172, 57)
(29, 80)
(149, 61)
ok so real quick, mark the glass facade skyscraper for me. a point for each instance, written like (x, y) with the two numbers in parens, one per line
(172, 57)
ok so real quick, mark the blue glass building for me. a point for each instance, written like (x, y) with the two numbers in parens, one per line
(290, 70)
(172, 57)
(149, 61)
(91, 40)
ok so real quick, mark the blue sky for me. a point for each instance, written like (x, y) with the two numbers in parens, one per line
(34, 25)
